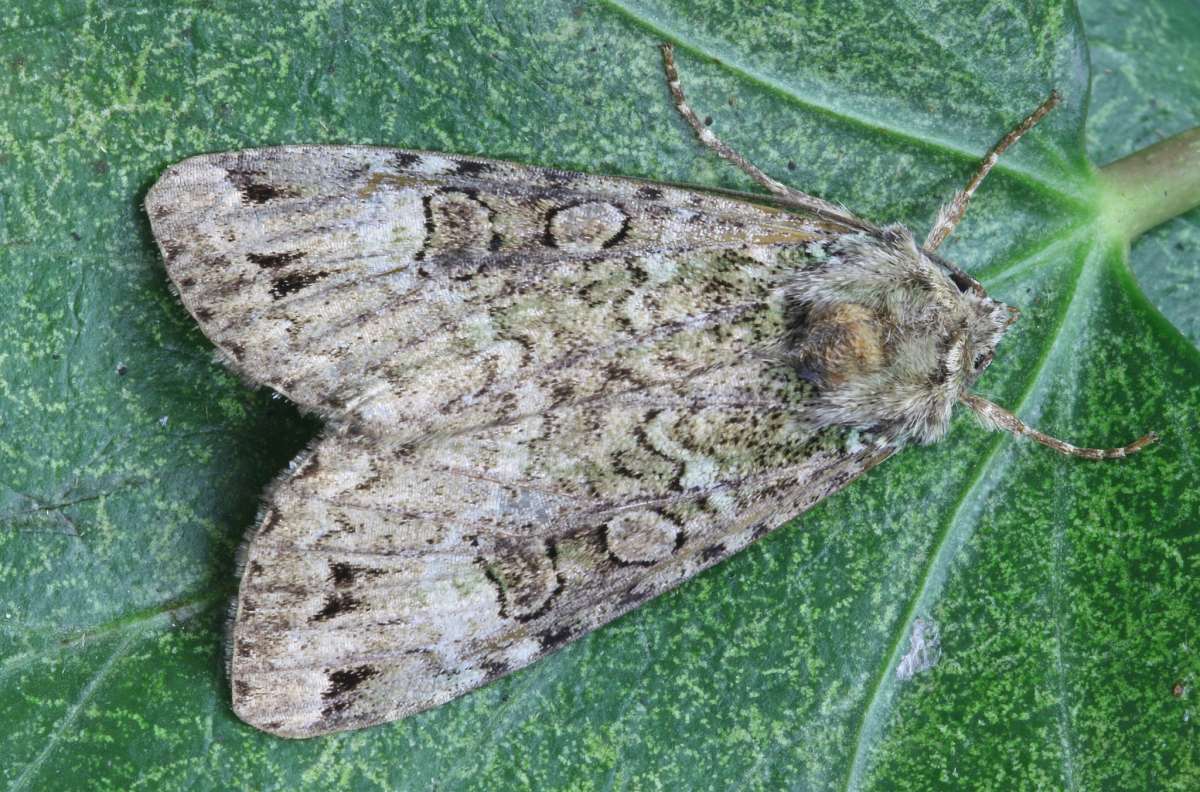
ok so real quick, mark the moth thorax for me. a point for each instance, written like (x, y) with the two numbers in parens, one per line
(887, 338)
(841, 342)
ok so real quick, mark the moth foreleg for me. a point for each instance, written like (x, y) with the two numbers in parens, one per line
(993, 416)
(708, 138)
(951, 213)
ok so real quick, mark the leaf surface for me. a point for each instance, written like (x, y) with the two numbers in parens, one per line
(1064, 592)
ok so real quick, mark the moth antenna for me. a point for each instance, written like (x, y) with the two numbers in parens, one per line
(996, 417)
(786, 194)
(951, 213)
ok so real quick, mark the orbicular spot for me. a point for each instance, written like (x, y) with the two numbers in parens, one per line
(586, 227)
(640, 537)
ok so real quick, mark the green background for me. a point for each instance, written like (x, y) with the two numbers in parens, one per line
(1066, 592)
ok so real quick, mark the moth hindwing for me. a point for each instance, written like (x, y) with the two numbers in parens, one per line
(548, 398)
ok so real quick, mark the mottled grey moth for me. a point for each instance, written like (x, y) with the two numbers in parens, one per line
(548, 396)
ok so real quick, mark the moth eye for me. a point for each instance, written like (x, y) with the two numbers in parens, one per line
(981, 360)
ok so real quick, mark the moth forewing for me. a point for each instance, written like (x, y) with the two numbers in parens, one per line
(548, 397)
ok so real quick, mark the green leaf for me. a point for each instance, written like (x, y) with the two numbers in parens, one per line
(1065, 592)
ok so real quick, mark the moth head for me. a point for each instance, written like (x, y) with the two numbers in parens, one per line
(890, 336)
(985, 324)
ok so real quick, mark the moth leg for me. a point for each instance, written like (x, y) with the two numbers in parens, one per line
(786, 194)
(951, 213)
(996, 417)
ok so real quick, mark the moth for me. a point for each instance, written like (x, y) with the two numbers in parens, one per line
(548, 396)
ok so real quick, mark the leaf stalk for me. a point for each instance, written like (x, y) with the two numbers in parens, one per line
(1152, 185)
